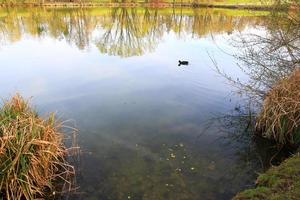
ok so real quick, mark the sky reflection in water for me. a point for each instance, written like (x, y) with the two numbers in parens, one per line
(141, 117)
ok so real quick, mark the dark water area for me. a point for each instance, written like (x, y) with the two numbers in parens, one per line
(148, 128)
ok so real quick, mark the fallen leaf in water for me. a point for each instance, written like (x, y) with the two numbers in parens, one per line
(212, 166)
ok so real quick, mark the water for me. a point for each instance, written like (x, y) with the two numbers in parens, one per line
(146, 125)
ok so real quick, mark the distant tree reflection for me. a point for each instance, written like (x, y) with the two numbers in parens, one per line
(123, 32)
(126, 35)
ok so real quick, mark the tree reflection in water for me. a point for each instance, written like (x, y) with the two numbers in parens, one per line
(173, 167)
(123, 32)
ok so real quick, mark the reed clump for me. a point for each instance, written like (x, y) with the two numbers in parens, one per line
(32, 152)
(280, 116)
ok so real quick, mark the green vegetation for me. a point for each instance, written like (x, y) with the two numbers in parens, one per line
(280, 117)
(282, 182)
(165, 3)
(32, 153)
(222, 2)
(242, 2)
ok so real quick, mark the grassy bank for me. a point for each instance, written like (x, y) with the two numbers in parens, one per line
(280, 121)
(230, 4)
(143, 4)
(210, 2)
(32, 153)
(282, 182)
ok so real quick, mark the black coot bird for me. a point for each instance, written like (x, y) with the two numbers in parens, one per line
(182, 62)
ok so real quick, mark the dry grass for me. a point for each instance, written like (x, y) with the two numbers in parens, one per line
(280, 117)
(32, 153)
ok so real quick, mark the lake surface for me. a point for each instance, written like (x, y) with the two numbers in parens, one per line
(148, 128)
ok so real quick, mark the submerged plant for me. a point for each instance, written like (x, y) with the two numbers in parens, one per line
(280, 117)
(32, 152)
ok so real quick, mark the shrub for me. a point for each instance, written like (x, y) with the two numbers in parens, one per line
(280, 116)
(32, 152)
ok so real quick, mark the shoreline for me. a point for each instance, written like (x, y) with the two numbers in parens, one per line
(282, 181)
(140, 4)
(278, 182)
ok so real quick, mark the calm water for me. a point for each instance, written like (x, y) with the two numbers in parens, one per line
(146, 125)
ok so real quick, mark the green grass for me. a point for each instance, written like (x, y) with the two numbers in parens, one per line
(244, 2)
(102, 11)
(228, 2)
(282, 182)
(220, 2)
